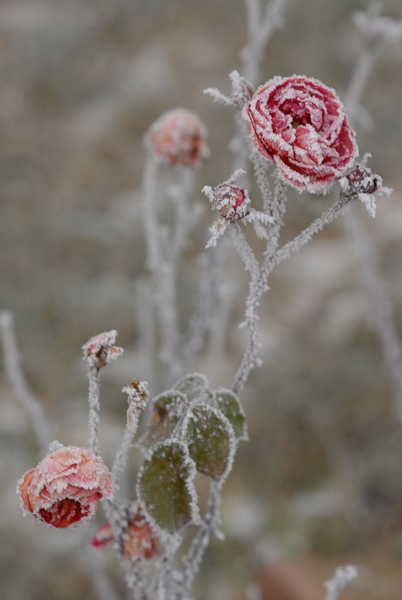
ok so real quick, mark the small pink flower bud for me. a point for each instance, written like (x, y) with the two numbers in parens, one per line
(231, 202)
(99, 350)
(178, 138)
(140, 540)
(64, 489)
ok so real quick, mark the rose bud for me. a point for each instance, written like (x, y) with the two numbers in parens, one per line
(100, 349)
(361, 180)
(178, 138)
(299, 124)
(64, 489)
(231, 202)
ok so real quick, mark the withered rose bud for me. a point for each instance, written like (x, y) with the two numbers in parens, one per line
(140, 540)
(100, 349)
(361, 180)
(137, 396)
(231, 202)
(178, 138)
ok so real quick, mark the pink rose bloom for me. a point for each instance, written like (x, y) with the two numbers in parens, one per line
(300, 124)
(64, 489)
(178, 138)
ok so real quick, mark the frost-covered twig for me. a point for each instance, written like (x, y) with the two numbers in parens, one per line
(375, 31)
(243, 248)
(381, 316)
(260, 28)
(16, 378)
(335, 586)
(137, 393)
(100, 581)
(208, 292)
(94, 409)
(250, 358)
(162, 271)
(97, 353)
(193, 558)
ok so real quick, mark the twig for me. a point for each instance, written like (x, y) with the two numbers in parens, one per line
(250, 359)
(24, 396)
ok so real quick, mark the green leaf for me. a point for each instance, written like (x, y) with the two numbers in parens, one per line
(210, 439)
(192, 385)
(168, 409)
(228, 403)
(165, 486)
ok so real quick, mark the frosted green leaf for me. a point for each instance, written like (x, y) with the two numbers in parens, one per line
(168, 408)
(165, 486)
(192, 385)
(210, 440)
(228, 403)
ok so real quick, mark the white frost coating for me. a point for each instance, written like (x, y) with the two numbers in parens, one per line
(94, 409)
(218, 96)
(343, 575)
(23, 394)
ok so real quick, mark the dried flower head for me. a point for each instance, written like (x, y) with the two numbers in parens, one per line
(100, 349)
(300, 124)
(64, 489)
(178, 138)
(140, 540)
(137, 396)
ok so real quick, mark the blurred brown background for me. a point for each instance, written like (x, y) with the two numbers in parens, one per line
(319, 483)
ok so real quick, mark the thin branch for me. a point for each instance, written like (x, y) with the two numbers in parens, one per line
(94, 408)
(194, 556)
(250, 358)
(23, 395)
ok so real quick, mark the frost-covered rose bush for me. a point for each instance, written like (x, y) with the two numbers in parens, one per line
(65, 488)
(300, 124)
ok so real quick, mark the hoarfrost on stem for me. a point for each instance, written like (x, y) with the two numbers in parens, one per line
(343, 575)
